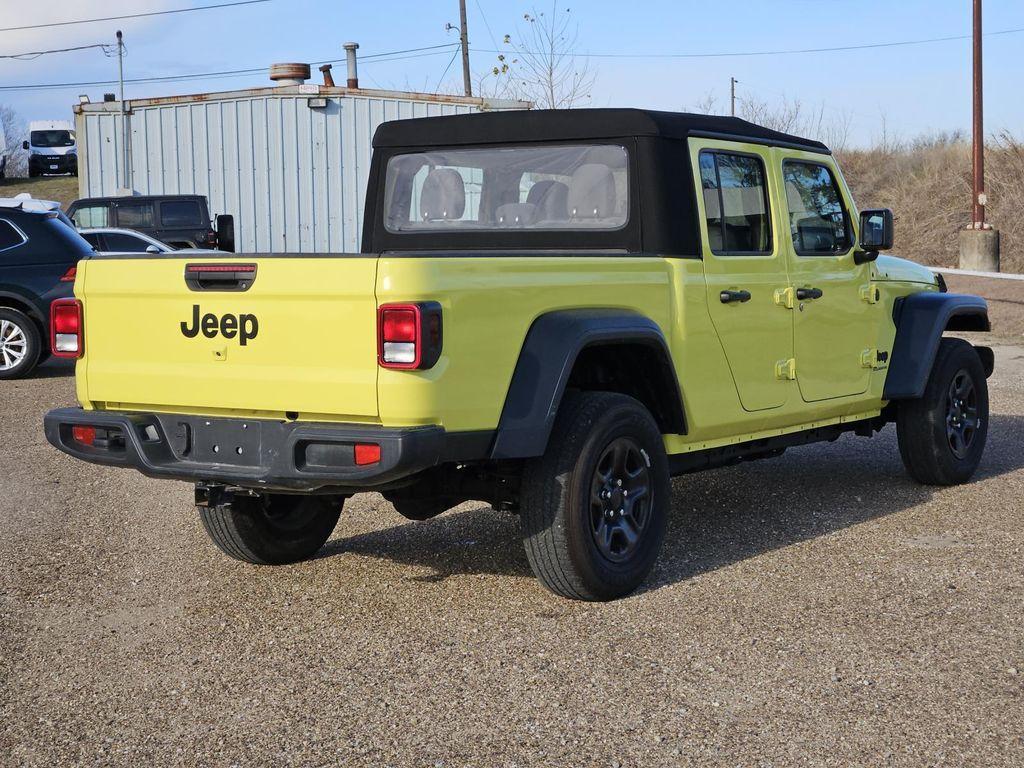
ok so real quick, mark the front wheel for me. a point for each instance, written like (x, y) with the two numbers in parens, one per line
(942, 435)
(272, 529)
(594, 507)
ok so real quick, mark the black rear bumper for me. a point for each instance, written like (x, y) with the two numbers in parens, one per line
(251, 453)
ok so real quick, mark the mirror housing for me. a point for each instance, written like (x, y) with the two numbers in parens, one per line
(226, 233)
(24, 145)
(152, 249)
(876, 234)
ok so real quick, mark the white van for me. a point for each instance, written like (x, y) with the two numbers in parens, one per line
(52, 148)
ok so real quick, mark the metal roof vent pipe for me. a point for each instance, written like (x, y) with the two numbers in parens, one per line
(289, 74)
(328, 77)
(350, 58)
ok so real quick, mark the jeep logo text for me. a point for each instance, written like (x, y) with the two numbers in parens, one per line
(245, 327)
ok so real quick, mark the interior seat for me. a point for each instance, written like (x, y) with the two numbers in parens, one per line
(443, 197)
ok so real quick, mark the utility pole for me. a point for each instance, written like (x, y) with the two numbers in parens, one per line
(464, 37)
(732, 87)
(979, 243)
(125, 174)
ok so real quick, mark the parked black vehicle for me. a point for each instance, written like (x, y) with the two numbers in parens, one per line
(39, 251)
(181, 221)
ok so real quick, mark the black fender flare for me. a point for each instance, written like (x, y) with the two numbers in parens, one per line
(546, 360)
(921, 319)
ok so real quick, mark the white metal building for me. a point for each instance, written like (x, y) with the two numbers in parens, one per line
(289, 163)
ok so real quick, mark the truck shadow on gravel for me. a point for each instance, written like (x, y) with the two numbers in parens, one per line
(718, 518)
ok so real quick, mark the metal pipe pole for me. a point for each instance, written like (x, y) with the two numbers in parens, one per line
(732, 86)
(125, 175)
(464, 35)
(979, 124)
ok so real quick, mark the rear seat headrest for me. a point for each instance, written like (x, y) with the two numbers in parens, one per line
(551, 199)
(592, 192)
(443, 196)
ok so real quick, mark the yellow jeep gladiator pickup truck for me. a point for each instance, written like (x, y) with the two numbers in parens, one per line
(554, 312)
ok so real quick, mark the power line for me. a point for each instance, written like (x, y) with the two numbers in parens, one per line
(30, 55)
(378, 58)
(132, 15)
(862, 47)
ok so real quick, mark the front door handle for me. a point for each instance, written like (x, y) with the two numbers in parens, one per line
(806, 294)
(727, 297)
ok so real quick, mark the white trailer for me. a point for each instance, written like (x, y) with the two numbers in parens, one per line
(290, 163)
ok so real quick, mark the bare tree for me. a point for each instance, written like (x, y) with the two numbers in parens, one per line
(542, 65)
(14, 132)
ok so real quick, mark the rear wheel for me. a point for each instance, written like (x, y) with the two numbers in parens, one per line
(942, 435)
(594, 507)
(20, 344)
(272, 529)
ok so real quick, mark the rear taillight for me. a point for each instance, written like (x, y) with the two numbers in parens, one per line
(69, 276)
(66, 328)
(409, 335)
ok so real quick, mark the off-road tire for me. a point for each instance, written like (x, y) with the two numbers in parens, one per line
(929, 452)
(560, 513)
(27, 331)
(273, 529)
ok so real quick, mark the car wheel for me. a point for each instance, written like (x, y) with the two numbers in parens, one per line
(20, 344)
(595, 505)
(942, 435)
(272, 529)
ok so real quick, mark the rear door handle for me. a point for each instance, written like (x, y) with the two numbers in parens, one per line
(807, 294)
(727, 297)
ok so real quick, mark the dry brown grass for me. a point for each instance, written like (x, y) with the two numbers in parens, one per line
(927, 183)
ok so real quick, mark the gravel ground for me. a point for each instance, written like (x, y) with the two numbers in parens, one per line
(816, 609)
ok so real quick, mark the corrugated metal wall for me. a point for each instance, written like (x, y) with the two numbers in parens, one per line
(293, 177)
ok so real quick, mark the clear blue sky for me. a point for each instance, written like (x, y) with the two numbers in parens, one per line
(919, 89)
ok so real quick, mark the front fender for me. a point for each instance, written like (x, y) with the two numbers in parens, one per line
(921, 319)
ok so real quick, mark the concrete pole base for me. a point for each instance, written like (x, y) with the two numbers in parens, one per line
(979, 250)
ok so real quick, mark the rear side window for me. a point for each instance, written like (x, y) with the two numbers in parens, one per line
(135, 215)
(91, 216)
(181, 213)
(818, 221)
(122, 243)
(735, 203)
(10, 236)
(93, 239)
(584, 187)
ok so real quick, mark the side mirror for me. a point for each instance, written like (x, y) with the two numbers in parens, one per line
(152, 249)
(876, 234)
(226, 233)
(24, 145)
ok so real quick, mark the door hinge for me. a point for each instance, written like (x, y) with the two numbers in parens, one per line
(872, 358)
(785, 297)
(870, 293)
(786, 369)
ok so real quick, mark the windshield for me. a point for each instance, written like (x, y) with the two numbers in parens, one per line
(536, 188)
(53, 138)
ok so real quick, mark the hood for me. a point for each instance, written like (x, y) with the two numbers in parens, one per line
(892, 268)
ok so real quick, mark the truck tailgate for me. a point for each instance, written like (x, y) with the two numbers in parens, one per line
(297, 337)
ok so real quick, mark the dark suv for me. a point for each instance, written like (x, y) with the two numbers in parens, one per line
(39, 250)
(182, 221)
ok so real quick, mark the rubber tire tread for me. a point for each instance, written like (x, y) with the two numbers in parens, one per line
(547, 492)
(35, 343)
(244, 532)
(920, 424)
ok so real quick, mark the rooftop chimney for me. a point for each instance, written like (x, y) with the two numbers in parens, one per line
(289, 74)
(350, 57)
(328, 77)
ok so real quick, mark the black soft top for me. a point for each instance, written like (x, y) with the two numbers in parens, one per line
(521, 126)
